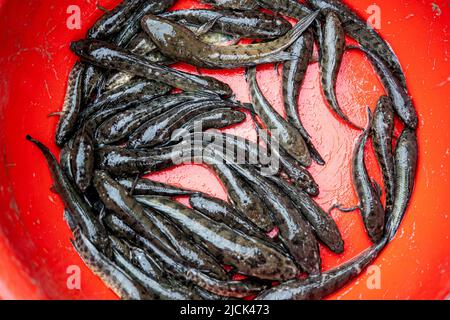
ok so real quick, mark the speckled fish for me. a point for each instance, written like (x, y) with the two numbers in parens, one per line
(402, 102)
(300, 176)
(290, 8)
(159, 130)
(116, 199)
(295, 232)
(382, 132)
(149, 187)
(221, 211)
(233, 289)
(293, 75)
(113, 21)
(79, 209)
(142, 46)
(193, 254)
(109, 56)
(132, 93)
(114, 277)
(288, 137)
(370, 204)
(168, 36)
(93, 81)
(125, 123)
(322, 223)
(405, 160)
(248, 255)
(138, 257)
(320, 286)
(180, 271)
(247, 24)
(331, 53)
(82, 160)
(156, 290)
(233, 4)
(214, 119)
(71, 106)
(363, 33)
(244, 198)
(133, 25)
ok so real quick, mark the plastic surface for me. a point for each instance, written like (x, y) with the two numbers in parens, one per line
(35, 248)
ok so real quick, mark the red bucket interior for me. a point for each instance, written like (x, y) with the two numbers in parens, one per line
(35, 60)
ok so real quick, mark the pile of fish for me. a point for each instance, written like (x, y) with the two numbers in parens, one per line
(123, 111)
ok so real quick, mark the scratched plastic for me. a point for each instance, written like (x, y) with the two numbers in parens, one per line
(35, 60)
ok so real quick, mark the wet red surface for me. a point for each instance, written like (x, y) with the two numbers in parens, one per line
(35, 60)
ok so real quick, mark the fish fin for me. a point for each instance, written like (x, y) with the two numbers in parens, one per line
(101, 8)
(342, 209)
(205, 28)
(56, 114)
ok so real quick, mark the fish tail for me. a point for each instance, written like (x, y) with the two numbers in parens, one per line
(332, 100)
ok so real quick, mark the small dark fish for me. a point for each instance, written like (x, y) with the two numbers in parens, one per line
(72, 105)
(131, 93)
(214, 119)
(159, 130)
(122, 162)
(125, 123)
(194, 255)
(253, 152)
(370, 205)
(149, 187)
(290, 8)
(288, 137)
(168, 36)
(402, 102)
(140, 45)
(114, 277)
(319, 286)
(149, 265)
(244, 197)
(179, 270)
(133, 24)
(155, 289)
(221, 211)
(80, 211)
(107, 55)
(113, 21)
(295, 232)
(233, 4)
(322, 223)
(116, 199)
(382, 133)
(247, 24)
(82, 160)
(293, 75)
(234, 289)
(363, 33)
(331, 53)
(92, 82)
(406, 157)
(248, 255)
